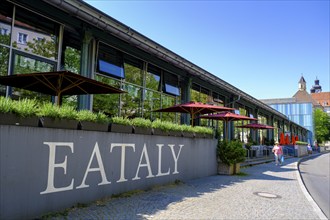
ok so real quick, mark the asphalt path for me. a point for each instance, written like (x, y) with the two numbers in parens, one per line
(315, 173)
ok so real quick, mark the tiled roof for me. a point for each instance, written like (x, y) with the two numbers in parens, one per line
(322, 98)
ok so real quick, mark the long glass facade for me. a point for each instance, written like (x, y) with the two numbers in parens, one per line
(300, 113)
(35, 41)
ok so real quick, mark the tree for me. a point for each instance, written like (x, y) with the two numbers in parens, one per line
(322, 125)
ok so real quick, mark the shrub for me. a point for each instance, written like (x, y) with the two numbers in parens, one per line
(301, 143)
(230, 152)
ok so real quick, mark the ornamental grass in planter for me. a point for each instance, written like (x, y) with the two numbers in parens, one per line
(90, 121)
(203, 132)
(121, 125)
(230, 154)
(53, 116)
(141, 126)
(161, 127)
(22, 112)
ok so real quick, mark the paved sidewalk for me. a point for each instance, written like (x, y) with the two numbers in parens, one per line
(266, 192)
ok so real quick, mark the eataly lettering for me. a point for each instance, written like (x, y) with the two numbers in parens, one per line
(124, 147)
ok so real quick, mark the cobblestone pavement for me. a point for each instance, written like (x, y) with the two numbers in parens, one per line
(266, 192)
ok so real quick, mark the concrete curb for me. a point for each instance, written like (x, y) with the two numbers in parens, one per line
(309, 198)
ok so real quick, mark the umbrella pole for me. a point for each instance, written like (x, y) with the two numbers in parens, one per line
(59, 99)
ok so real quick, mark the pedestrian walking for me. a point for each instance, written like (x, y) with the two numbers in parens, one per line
(309, 149)
(278, 153)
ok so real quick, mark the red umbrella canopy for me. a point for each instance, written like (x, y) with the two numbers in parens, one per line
(227, 116)
(256, 126)
(194, 108)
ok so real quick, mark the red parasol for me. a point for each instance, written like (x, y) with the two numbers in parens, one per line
(256, 126)
(194, 108)
(227, 117)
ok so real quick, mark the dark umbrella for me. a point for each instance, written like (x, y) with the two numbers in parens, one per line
(58, 84)
(194, 108)
(227, 117)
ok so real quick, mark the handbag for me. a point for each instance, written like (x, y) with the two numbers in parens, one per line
(282, 159)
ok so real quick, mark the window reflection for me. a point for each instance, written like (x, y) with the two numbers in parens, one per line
(35, 34)
(24, 64)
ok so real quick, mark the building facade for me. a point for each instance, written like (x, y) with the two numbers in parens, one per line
(53, 35)
(300, 107)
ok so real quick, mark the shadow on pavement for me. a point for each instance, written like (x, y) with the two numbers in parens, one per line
(142, 205)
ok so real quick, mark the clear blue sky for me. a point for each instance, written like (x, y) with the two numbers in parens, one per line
(260, 47)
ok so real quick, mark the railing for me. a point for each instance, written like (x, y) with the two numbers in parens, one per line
(259, 152)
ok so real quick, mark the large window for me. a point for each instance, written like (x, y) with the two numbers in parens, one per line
(30, 64)
(153, 75)
(5, 34)
(110, 62)
(171, 83)
(200, 94)
(32, 45)
(35, 34)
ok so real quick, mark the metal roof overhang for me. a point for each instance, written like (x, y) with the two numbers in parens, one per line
(103, 21)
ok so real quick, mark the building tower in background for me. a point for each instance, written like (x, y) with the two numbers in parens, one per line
(316, 88)
(302, 84)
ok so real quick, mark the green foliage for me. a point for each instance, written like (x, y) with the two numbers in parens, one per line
(163, 125)
(25, 107)
(141, 122)
(31, 107)
(301, 143)
(6, 105)
(53, 111)
(202, 130)
(322, 125)
(86, 115)
(187, 128)
(102, 118)
(120, 120)
(230, 152)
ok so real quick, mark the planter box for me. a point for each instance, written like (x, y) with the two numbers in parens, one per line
(141, 130)
(120, 128)
(210, 136)
(12, 119)
(158, 131)
(59, 123)
(224, 169)
(301, 150)
(175, 133)
(93, 126)
(199, 135)
(188, 134)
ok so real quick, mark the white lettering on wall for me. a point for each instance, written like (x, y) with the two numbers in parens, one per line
(175, 158)
(52, 165)
(147, 164)
(100, 168)
(123, 157)
(160, 162)
(95, 156)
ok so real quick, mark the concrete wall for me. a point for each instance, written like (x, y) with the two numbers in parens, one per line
(45, 170)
